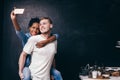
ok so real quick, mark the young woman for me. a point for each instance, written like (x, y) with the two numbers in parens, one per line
(33, 27)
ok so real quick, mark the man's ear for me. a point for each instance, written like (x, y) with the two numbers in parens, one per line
(51, 26)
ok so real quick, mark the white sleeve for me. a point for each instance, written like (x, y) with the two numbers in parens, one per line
(29, 46)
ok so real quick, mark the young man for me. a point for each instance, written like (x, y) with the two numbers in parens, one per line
(42, 58)
(33, 27)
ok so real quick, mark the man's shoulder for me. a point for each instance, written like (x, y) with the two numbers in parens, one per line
(54, 42)
(34, 38)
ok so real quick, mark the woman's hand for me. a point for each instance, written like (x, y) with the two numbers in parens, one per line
(12, 15)
(51, 77)
(41, 44)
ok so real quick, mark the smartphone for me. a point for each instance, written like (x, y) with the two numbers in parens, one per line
(19, 10)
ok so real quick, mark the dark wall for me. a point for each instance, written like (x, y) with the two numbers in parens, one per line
(88, 32)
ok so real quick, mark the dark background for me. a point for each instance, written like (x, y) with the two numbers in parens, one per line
(88, 29)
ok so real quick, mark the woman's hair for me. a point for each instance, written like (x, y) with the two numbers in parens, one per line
(33, 20)
(47, 19)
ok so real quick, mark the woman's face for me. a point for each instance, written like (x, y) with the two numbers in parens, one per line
(34, 29)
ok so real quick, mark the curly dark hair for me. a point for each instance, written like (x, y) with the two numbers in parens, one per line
(33, 20)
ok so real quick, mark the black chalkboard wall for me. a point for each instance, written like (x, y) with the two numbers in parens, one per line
(88, 31)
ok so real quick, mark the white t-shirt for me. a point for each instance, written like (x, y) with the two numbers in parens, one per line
(41, 58)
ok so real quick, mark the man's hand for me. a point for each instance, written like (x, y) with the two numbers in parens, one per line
(41, 44)
(21, 75)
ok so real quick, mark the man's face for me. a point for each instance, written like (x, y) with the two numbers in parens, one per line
(45, 26)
